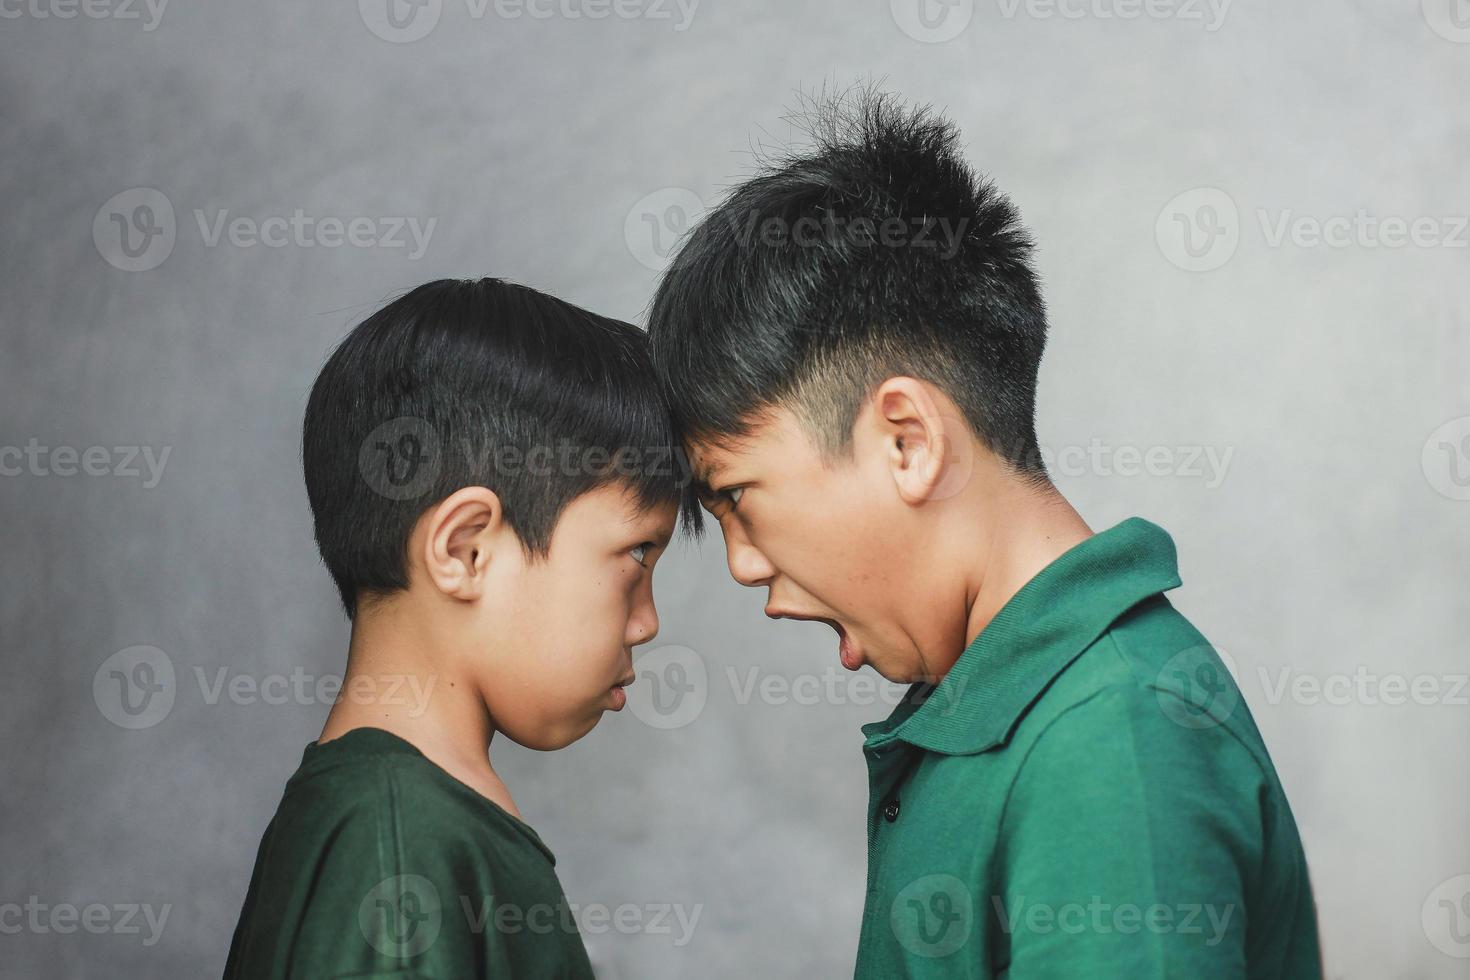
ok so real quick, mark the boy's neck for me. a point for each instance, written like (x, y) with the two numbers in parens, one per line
(395, 681)
(1027, 530)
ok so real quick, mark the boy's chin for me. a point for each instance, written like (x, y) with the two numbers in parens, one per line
(549, 738)
(898, 672)
(893, 674)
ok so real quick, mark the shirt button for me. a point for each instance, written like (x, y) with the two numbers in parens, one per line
(890, 812)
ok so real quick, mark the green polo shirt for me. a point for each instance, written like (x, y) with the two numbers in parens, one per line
(379, 864)
(1083, 795)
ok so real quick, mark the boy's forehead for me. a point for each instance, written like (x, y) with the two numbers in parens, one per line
(632, 516)
(709, 458)
(770, 438)
(616, 512)
(622, 504)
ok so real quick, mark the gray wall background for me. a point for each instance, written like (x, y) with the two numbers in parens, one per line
(564, 151)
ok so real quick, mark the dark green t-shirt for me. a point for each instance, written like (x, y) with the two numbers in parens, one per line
(380, 864)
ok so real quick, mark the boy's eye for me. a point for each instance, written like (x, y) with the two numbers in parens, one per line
(640, 552)
(733, 495)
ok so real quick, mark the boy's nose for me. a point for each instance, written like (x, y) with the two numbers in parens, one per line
(747, 565)
(643, 624)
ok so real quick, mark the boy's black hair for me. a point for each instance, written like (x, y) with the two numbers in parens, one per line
(878, 252)
(478, 383)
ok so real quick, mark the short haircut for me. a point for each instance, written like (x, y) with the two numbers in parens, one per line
(877, 252)
(478, 383)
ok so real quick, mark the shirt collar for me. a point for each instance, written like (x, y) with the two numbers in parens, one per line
(1038, 632)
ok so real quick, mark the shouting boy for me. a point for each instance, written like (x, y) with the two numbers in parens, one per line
(491, 476)
(1072, 787)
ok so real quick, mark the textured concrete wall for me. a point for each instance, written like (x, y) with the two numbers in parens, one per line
(1301, 381)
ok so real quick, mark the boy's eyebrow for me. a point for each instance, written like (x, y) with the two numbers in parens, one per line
(704, 475)
(659, 535)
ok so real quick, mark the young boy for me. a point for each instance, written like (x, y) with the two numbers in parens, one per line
(1073, 786)
(490, 473)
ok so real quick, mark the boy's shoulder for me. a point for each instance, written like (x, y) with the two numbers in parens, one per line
(377, 856)
(1139, 773)
(1152, 678)
(377, 794)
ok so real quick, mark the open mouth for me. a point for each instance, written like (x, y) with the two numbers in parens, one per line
(847, 651)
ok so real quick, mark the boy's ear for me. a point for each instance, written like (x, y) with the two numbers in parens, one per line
(927, 451)
(461, 533)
